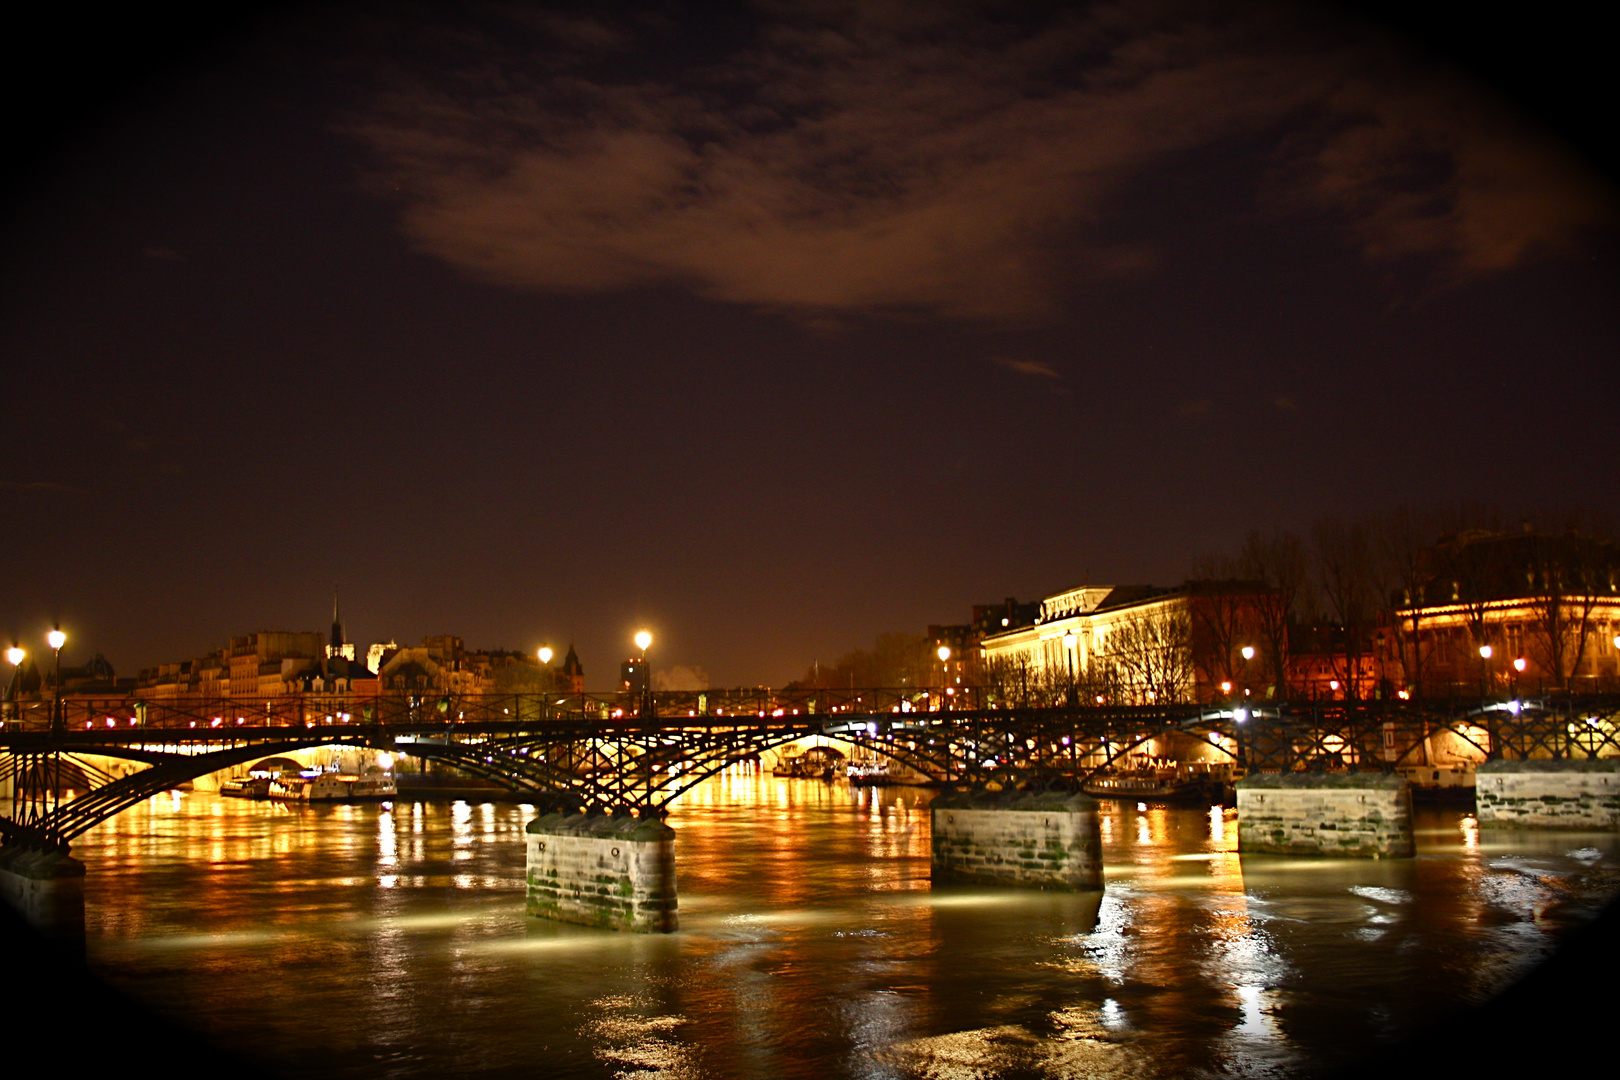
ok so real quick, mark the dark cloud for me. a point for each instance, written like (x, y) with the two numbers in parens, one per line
(930, 157)
(1029, 367)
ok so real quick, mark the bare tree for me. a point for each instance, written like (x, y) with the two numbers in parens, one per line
(1279, 563)
(1404, 540)
(1569, 576)
(1150, 654)
(1347, 574)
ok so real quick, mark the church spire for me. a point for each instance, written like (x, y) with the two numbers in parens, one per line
(338, 644)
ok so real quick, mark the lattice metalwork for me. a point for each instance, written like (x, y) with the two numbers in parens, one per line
(612, 752)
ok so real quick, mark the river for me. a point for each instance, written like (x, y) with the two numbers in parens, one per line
(375, 941)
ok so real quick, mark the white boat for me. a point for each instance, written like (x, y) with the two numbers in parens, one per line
(868, 773)
(373, 783)
(313, 785)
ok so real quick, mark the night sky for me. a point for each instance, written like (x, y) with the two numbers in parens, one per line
(775, 327)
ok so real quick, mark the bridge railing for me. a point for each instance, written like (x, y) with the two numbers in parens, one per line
(321, 708)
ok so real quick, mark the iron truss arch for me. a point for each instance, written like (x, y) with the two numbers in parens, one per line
(598, 752)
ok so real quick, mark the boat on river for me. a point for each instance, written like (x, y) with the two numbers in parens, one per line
(285, 780)
(373, 783)
(816, 763)
(1440, 783)
(868, 773)
(246, 787)
(1157, 785)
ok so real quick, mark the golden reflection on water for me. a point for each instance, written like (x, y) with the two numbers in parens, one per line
(812, 941)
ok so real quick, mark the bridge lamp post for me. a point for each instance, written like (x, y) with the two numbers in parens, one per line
(16, 655)
(1484, 670)
(57, 639)
(944, 672)
(543, 654)
(1518, 669)
(644, 639)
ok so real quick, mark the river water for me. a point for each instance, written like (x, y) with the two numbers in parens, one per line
(373, 941)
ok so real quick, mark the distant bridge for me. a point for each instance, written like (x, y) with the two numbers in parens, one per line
(635, 754)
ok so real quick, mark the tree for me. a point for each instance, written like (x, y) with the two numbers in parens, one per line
(1404, 540)
(1278, 562)
(1150, 654)
(1568, 577)
(1347, 573)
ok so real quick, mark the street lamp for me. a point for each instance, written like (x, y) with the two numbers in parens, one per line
(1484, 670)
(644, 639)
(944, 654)
(16, 655)
(1247, 653)
(57, 639)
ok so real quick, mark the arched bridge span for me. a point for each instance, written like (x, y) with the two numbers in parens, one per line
(581, 752)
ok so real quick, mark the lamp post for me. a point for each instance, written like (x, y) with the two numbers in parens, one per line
(543, 654)
(16, 655)
(944, 672)
(644, 639)
(57, 639)
(1248, 654)
(1484, 670)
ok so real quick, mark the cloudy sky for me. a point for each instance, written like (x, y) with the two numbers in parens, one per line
(772, 326)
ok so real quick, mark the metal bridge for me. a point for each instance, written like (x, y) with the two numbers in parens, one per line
(635, 754)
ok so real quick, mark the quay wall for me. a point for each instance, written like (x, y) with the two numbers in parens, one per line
(1354, 815)
(1555, 794)
(617, 873)
(1048, 841)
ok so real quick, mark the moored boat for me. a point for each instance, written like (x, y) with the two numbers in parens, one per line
(868, 773)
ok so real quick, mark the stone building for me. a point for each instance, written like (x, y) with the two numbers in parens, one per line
(1497, 613)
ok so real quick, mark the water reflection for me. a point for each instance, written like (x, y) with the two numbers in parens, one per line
(390, 941)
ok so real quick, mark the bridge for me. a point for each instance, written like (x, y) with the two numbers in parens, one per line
(630, 756)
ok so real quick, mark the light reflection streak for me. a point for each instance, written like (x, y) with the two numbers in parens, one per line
(833, 923)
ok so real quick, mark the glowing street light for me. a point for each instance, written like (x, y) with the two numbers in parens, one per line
(16, 655)
(57, 639)
(545, 655)
(644, 639)
(1485, 652)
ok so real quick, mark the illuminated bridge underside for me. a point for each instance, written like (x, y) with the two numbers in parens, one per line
(576, 758)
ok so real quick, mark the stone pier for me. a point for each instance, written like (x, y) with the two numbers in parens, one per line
(46, 888)
(1557, 794)
(617, 873)
(1045, 841)
(1358, 815)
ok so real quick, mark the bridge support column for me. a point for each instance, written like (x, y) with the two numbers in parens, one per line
(46, 888)
(1559, 794)
(1046, 841)
(617, 873)
(1359, 815)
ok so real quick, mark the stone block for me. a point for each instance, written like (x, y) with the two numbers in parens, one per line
(617, 873)
(1046, 841)
(1358, 815)
(1559, 793)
